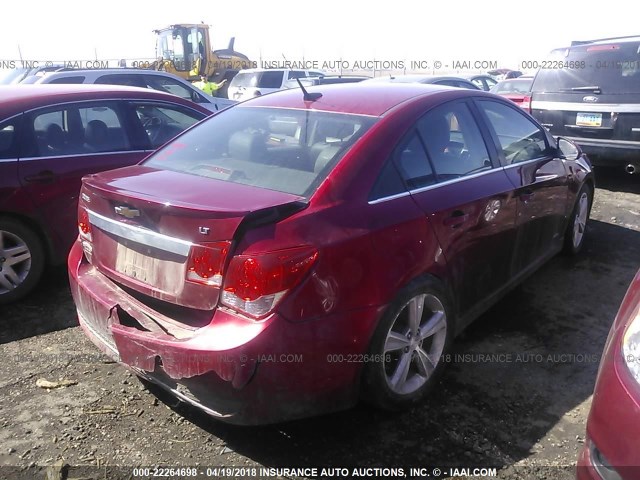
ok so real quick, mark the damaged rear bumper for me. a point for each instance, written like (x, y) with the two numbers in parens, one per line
(235, 369)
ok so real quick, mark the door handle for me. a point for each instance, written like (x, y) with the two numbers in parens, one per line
(45, 176)
(456, 219)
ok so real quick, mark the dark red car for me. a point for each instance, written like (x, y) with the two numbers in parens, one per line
(611, 450)
(518, 90)
(52, 135)
(298, 251)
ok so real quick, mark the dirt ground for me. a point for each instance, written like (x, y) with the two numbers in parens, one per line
(515, 395)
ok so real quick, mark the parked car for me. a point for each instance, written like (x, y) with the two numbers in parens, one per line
(594, 98)
(299, 251)
(16, 75)
(483, 82)
(254, 82)
(52, 135)
(505, 73)
(518, 90)
(611, 448)
(132, 77)
(448, 81)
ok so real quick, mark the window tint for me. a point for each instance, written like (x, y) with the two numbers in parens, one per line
(78, 129)
(68, 80)
(454, 142)
(520, 139)
(121, 79)
(7, 141)
(270, 79)
(280, 149)
(413, 164)
(163, 122)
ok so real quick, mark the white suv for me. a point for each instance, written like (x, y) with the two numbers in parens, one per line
(162, 81)
(260, 81)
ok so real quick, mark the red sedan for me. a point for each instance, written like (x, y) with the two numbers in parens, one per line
(304, 249)
(52, 135)
(611, 450)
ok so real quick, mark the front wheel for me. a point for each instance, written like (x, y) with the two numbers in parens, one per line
(409, 343)
(574, 235)
(21, 260)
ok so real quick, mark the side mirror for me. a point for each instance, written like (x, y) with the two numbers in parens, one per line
(568, 149)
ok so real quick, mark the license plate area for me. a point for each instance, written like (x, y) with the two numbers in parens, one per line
(160, 269)
(589, 119)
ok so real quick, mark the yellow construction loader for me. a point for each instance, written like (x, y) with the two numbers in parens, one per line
(184, 49)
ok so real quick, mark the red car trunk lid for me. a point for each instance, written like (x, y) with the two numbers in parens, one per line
(145, 223)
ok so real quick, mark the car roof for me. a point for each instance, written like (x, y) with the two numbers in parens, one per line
(361, 98)
(19, 98)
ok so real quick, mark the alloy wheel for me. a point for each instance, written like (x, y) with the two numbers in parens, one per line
(415, 343)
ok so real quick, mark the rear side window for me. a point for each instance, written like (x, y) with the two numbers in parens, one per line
(286, 150)
(76, 130)
(413, 164)
(520, 139)
(613, 68)
(270, 79)
(68, 80)
(454, 142)
(122, 79)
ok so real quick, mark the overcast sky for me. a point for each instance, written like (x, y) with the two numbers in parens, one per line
(507, 32)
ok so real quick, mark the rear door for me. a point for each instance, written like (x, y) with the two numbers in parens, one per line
(60, 145)
(540, 179)
(467, 198)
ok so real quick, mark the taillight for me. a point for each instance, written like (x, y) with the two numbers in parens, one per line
(254, 284)
(206, 262)
(83, 223)
(526, 103)
(84, 227)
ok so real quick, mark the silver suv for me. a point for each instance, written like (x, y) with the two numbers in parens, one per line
(162, 81)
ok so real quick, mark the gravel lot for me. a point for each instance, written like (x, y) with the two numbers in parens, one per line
(515, 396)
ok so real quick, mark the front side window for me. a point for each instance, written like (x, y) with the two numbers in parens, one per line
(519, 138)
(78, 129)
(286, 150)
(163, 122)
(453, 141)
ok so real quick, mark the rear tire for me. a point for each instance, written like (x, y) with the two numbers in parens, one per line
(576, 228)
(407, 348)
(22, 260)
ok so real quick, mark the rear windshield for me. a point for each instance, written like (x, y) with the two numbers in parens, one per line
(290, 151)
(268, 79)
(614, 68)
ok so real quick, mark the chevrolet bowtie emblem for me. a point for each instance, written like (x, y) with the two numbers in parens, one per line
(127, 212)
